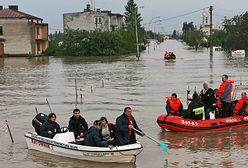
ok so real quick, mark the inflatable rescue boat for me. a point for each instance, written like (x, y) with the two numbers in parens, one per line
(180, 124)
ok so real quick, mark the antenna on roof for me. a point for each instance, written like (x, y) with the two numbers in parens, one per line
(93, 5)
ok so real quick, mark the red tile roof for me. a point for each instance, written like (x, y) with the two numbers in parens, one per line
(10, 13)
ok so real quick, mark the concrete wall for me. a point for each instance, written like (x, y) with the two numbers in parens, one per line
(87, 21)
(17, 35)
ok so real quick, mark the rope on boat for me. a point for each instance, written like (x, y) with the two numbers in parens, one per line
(135, 155)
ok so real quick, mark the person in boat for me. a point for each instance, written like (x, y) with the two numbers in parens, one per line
(241, 108)
(174, 105)
(77, 124)
(93, 136)
(125, 134)
(166, 54)
(207, 98)
(195, 109)
(224, 96)
(107, 130)
(50, 127)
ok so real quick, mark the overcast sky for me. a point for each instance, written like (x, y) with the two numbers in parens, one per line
(52, 10)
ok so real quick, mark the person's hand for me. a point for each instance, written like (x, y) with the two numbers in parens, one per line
(143, 134)
(130, 126)
(110, 147)
(78, 137)
(49, 132)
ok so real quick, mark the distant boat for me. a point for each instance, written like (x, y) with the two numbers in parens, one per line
(238, 52)
(169, 55)
(217, 48)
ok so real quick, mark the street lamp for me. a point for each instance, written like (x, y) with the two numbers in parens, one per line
(154, 33)
(157, 17)
(149, 24)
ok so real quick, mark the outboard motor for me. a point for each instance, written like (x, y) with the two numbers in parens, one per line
(38, 120)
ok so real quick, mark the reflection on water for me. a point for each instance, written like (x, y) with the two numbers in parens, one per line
(206, 141)
(48, 160)
(25, 84)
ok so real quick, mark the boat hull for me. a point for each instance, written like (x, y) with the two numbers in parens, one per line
(170, 57)
(179, 124)
(121, 154)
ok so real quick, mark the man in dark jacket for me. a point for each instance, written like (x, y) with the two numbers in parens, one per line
(125, 133)
(195, 109)
(77, 124)
(93, 136)
(208, 99)
(50, 127)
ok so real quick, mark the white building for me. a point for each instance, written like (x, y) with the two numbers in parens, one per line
(205, 26)
(91, 20)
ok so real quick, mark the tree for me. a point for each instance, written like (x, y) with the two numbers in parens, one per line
(174, 34)
(129, 26)
(131, 11)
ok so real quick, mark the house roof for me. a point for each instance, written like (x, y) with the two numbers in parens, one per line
(10, 13)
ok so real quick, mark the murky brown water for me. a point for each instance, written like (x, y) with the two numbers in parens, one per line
(25, 84)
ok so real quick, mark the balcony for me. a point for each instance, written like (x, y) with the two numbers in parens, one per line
(41, 37)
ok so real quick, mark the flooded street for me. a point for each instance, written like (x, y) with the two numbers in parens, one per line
(143, 85)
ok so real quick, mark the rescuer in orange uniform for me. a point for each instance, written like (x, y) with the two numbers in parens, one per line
(174, 105)
(241, 108)
(224, 96)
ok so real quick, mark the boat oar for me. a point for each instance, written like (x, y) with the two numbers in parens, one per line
(163, 145)
(49, 106)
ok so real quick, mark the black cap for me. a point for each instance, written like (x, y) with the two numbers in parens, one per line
(97, 122)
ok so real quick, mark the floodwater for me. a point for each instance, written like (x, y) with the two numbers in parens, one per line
(143, 85)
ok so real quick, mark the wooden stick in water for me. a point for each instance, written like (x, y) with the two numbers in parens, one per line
(10, 134)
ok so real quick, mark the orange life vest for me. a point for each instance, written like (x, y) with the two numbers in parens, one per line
(174, 105)
(222, 88)
(219, 104)
(167, 54)
(239, 105)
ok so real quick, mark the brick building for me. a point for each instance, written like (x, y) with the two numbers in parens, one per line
(21, 33)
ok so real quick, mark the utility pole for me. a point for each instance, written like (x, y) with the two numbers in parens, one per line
(136, 34)
(211, 30)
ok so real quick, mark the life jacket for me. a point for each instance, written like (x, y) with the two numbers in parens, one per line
(167, 54)
(239, 105)
(219, 104)
(222, 88)
(198, 110)
(174, 105)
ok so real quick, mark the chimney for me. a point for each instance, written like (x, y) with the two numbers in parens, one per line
(1, 7)
(88, 7)
(13, 7)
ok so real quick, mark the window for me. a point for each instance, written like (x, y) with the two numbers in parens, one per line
(1, 30)
(98, 20)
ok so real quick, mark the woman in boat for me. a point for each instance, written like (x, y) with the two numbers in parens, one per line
(195, 109)
(50, 127)
(107, 129)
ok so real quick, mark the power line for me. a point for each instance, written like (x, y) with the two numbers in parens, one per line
(185, 14)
